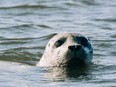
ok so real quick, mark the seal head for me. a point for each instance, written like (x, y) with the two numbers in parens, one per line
(67, 49)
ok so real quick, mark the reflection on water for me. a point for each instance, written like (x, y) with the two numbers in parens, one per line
(27, 25)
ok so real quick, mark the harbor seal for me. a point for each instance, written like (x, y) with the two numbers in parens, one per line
(67, 49)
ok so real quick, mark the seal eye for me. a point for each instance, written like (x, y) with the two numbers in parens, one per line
(59, 42)
(83, 41)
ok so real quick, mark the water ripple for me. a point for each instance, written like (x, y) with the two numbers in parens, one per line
(26, 6)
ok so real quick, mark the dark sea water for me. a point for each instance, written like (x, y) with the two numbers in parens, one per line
(27, 25)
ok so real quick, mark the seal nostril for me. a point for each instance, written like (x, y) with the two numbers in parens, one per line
(74, 47)
(78, 47)
(71, 47)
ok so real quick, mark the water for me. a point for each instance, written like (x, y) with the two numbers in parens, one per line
(27, 25)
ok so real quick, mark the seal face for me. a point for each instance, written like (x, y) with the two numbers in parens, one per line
(67, 49)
